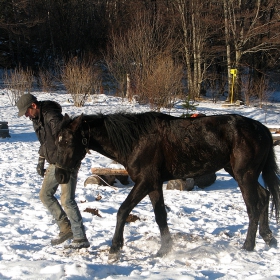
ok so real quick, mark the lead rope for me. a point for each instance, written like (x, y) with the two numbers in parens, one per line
(95, 175)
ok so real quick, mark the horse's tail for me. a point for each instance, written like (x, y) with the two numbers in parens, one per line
(270, 175)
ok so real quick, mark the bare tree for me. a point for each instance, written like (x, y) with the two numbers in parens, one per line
(18, 22)
(140, 52)
(227, 41)
(252, 27)
(199, 29)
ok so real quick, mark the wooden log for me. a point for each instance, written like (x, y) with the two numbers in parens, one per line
(275, 132)
(182, 185)
(108, 171)
(276, 136)
(274, 129)
(101, 180)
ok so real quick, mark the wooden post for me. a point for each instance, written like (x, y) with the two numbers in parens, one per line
(128, 88)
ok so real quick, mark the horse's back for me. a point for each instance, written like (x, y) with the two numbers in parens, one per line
(195, 146)
(233, 130)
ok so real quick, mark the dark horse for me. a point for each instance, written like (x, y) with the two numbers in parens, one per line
(155, 147)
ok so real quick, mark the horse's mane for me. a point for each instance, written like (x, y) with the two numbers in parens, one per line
(124, 129)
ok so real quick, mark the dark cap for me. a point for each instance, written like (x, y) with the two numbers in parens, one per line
(24, 102)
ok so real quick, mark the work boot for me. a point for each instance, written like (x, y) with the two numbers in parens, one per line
(78, 244)
(65, 232)
(63, 236)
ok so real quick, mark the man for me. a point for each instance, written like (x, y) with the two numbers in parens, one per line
(47, 117)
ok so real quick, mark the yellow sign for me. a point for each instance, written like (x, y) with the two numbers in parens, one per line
(233, 72)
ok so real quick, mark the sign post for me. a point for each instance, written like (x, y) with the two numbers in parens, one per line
(233, 73)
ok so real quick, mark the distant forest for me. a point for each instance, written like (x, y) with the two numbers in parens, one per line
(148, 40)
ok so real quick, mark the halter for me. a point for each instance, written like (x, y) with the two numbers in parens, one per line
(85, 141)
(65, 168)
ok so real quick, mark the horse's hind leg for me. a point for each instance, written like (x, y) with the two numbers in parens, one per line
(264, 229)
(249, 190)
(157, 200)
(257, 201)
(255, 204)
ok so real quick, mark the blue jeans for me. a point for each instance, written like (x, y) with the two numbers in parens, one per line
(68, 203)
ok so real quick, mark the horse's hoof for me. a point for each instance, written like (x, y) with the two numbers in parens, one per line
(163, 252)
(272, 243)
(114, 257)
(248, 247)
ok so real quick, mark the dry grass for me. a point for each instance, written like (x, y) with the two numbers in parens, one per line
(46, 81)
(77, 76)
(163, 84)
(18, 82)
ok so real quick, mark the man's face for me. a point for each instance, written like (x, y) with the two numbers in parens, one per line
(32, 111)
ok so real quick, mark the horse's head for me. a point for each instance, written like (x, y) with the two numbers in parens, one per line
(71, 148)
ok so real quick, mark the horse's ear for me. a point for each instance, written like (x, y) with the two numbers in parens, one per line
(65, 121)
(66, 117)
(76, 123)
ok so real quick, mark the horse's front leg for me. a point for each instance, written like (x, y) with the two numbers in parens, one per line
(157, 200)
(138, 192)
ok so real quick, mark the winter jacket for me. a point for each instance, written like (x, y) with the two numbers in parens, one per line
(46, 126)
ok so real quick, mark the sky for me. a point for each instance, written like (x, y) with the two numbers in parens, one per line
(208, 226)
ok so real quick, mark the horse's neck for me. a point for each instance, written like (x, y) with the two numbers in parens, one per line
(101, 143)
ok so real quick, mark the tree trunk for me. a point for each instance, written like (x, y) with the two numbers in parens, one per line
(227, 37)
(182, 11)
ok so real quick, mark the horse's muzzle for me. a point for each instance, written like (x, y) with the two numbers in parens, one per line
(62, 176)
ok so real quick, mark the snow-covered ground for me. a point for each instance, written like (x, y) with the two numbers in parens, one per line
(208, 226)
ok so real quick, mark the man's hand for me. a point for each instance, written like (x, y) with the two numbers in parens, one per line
(40, 166)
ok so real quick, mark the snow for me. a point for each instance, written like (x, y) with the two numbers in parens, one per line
(208, 226)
